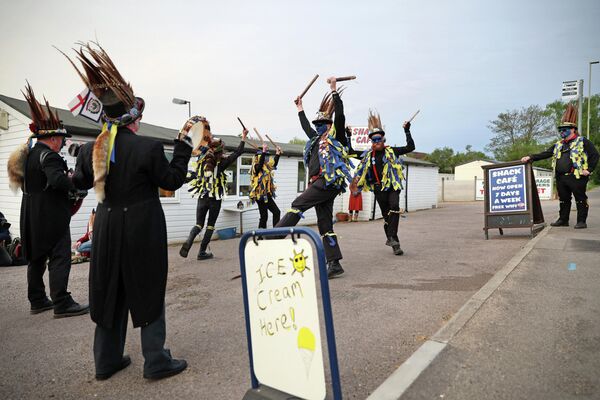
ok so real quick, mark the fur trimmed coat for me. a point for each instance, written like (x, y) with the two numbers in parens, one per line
(130, 232)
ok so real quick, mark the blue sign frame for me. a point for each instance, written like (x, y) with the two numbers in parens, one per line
(325, 298)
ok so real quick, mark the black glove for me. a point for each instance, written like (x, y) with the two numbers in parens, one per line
(407, 128)
(348, 131)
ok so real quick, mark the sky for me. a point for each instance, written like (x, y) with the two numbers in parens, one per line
(460, 62)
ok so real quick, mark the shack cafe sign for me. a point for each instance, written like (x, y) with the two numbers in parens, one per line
(507, 189)
(360, 138)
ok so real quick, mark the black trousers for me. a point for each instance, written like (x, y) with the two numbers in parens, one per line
(389, 204)
(567, 186)
(263, 208)
(212, 207)
(321, 198)
(59, 267)
(109, 343)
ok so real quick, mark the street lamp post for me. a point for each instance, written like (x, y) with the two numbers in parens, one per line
(589, 110)
(181, 101)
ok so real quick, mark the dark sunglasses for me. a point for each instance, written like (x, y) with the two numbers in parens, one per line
(377, 139)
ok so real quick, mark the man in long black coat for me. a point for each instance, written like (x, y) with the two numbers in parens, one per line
(128, 266)
(41, 174)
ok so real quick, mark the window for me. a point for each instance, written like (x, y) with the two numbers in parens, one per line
(301, 177)
(168, 195)
(245, 167)
(231, 174)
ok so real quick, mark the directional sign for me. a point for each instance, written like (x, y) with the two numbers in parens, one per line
(570, 90)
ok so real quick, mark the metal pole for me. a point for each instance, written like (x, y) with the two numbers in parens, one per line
(589, 109)
(580, 106)
(189, 109)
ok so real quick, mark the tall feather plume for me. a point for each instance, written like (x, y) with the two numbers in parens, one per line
(570, 114)
(327, 104)
(42, 118)
(374, 121)
(100, 73)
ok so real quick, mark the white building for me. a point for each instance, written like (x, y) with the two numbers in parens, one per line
(179, 207)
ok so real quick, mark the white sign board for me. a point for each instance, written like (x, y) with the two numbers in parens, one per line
(360, 138)
(479, 189)
(570, 90)
(544, 187)
(284, 317)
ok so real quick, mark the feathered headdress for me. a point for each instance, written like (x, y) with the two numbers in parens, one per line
(120, 106)
(375, 126)
(44, 123)
(569, 119)
(326, 108)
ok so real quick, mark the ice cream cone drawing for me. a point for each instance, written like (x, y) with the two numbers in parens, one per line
(306, 347)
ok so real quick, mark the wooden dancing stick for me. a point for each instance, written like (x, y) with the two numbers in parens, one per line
(309, 85)
(251, 144)
(273, 143)
(343, 78)
(260, 137)
(243, 126)
(414, 115)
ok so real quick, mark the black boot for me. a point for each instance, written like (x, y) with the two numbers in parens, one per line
(582, 213)
(125, 362)
(392, 242)
(334, 268)
(185, 248)
(397, 250)
(563, 214)
(70, 309)
(203, 254)
(42, 306)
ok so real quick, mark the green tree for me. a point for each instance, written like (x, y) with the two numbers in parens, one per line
(297, 140)
(516, 129)
(442, 158)
(467, 156)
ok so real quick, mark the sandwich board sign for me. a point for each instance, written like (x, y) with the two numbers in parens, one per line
(283, 328)
(511, 197)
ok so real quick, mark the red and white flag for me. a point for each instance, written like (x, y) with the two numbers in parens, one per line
(87, 105)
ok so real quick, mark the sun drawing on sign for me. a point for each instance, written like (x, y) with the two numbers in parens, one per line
(299, 262)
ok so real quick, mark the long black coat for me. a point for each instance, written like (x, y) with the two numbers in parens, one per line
(130, 232)
(46, 208)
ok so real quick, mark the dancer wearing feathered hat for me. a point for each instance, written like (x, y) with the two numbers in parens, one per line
(262, 186)
(209, 182)
(129, 264)
(326, 158)
(41, 174)
(574, 158)
(380, 171)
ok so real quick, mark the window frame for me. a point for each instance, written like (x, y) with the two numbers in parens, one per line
(298, 176)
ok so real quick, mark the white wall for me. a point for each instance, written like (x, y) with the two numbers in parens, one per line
(422, 187)
(17, 133)
(468, 171)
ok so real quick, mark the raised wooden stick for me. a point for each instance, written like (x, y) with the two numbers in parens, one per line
(243, 126)
(273, 143)
(414, 115)
(343, 78)
(309, 85)
(260, 137)
(251, 144)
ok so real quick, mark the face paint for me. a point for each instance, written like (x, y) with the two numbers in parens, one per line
(565, 132)
(377, 139)
(321, 128)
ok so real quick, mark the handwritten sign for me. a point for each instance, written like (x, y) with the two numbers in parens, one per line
(507, 189)
(284, 317)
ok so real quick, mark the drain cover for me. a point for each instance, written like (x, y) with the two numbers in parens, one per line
(583, 245)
